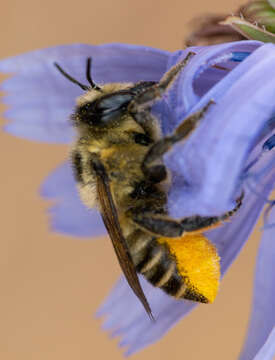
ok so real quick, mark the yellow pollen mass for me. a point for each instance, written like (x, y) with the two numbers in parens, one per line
(197, 262)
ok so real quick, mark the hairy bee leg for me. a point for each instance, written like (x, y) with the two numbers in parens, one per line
(155, 92)
(184, 130)
(161, 225)
(145, 120)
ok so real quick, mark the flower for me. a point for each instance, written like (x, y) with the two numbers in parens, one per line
(256, 20)
(233, 148)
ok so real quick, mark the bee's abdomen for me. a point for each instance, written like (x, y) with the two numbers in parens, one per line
(154, 261)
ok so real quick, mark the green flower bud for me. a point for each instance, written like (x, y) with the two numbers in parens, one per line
(261, 12)
(248, 30)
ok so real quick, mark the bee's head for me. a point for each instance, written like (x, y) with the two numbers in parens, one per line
(103, 106)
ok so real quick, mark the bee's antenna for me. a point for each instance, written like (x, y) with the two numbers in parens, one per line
(88, 74)
(83, 87)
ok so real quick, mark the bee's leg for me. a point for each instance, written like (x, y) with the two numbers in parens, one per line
(146, 121)
(163, 145)
(155, 92)
(161, 225)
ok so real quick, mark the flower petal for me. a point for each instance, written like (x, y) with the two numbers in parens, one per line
(136, 329)
(256, 195)
(249, 30)
(42, 100)
(268, 350)
(68, 215)
(199, 75)
(262, 323)
(227, 134)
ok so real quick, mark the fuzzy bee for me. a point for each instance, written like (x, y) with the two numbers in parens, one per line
(118, 165)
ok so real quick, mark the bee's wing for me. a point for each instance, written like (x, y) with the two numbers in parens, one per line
(110, 218)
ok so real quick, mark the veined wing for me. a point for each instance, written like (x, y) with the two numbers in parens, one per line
(111, 221)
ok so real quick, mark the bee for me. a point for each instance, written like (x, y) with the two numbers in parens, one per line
(118, 165)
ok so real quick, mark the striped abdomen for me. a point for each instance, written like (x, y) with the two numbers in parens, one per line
(186, 267)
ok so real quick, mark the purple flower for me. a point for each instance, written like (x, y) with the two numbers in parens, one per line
(232, 149)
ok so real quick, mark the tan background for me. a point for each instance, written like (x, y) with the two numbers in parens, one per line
(51, 285)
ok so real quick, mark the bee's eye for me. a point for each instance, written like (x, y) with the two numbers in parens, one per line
(104, 110)
(114, 102)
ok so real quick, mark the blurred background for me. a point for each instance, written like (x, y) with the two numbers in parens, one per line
(51, 285)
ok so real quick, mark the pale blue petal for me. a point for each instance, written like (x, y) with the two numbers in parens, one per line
(208, 166)
(136, 329)
(261, 335)
(68, 215)
(258, 184)
(199, 75)
(267, 352)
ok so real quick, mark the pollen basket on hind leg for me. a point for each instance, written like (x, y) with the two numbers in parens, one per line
(198, 264)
